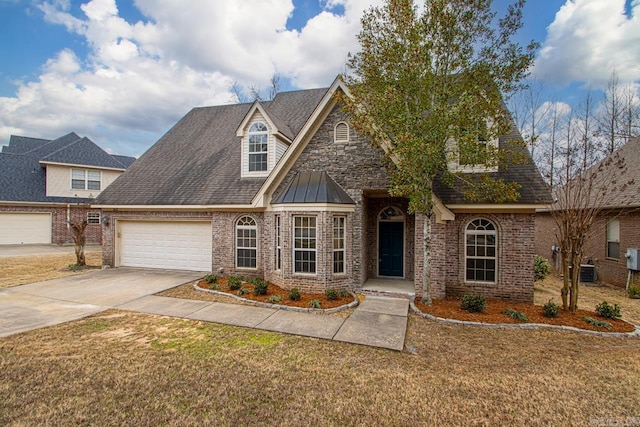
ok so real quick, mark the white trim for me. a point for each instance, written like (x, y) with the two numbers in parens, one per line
(294, 249)
(273, 129)
(179, 208)
(489, 208)
(237, 227)
(495, 257)
(335, 132)
(312, 207)
(99, 168)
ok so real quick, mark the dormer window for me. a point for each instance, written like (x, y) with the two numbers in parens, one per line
(258, 147)
(472, 158)
(341, 132)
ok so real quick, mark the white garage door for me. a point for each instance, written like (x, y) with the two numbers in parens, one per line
(18, 228)
(172, 245)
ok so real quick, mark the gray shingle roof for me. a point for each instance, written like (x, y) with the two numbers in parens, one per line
(533, 189)
(23, 178)
(313, 187)
(198, 161)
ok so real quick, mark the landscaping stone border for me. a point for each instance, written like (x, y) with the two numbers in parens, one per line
(635, 333)
(352, 304)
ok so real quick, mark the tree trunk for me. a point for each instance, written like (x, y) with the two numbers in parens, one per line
(426, 275)
(575, 281)
(80, 259)
(564, 292)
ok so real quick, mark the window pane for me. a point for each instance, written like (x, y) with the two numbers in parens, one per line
(77, 184)
(613, 250)
(93, 185)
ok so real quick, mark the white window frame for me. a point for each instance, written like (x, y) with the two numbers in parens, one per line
(481, 248)
(453, 155)
(263, 134)
(278, 239)
(93, 218)
(88, 177)
(613, 237)
(308, 239)
(339, 243)
(341, 135)
(245, 224)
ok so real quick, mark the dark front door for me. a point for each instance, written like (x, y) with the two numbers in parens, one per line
(390, 248)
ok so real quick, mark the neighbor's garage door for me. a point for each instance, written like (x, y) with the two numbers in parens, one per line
(171, 245)
(17, 228)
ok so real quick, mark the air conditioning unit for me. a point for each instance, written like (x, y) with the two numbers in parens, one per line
(633, 259)
(587, 273)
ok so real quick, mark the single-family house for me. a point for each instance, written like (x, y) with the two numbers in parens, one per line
(44, 182)
(286, 190)
(617, 227)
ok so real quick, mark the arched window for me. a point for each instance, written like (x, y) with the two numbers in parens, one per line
(481, 251)
(341, 132)
(258, 142)
(246, 242)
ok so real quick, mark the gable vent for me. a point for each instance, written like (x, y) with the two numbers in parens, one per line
(341, 132)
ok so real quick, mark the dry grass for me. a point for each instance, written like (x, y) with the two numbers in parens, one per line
(20, 270)
(590, 296)
(121, 368)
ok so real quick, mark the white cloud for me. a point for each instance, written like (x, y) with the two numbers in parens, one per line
(588, 40)
(140, 78)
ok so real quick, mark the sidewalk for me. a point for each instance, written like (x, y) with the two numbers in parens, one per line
(377, 321)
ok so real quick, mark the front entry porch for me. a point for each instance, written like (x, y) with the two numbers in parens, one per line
(389, 287)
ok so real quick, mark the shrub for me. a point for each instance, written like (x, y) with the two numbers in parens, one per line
(541, 268)
(331, 294)
(344, 293)
(550, 309)
(294, 294)
(634, 292)
(516, 315)
(314, 303)
(235, 283)
(214, 286)
(597, 323)
(473, 303)
(260, 287)
(210, 278)
(274, 299)
(609, 311)
(243, 291)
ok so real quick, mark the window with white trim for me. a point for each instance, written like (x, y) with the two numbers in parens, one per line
(304, 247)
(477, 154)
(481, 251)
(258, 146)
(278, 243)
(246, 242)
(613, 239)
(93, 217)
(82, 179)
(341, 132)
(338, 244)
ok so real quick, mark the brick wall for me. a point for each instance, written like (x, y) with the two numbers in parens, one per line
(59, 232)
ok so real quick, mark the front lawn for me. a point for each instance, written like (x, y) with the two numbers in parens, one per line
(20, 270)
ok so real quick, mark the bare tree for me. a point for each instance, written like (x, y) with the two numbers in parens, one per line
(255, 91)
(630, 113)
(77, 226)
(610, 116)
(531, 112)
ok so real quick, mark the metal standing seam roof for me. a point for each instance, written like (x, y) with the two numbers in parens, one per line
(313, 187)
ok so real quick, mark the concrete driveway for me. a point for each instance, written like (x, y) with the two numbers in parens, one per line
(36, 305)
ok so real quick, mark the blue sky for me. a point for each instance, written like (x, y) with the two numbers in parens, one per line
(123, 72)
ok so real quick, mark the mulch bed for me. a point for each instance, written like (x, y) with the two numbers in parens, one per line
(272, 289)
(449, 308)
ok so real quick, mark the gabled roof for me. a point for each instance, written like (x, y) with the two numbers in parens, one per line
(313, 187)
(198, 161)
(22, 176)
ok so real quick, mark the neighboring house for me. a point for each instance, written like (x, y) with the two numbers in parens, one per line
(617, 227)
(287, 191)
(42, 182)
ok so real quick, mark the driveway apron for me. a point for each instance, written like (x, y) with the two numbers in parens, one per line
(36, 305)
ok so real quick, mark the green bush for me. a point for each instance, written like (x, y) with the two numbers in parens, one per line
(344, 293)
(235, 283)
(634, 292)
(541, 268)
(550, 309)
(214, 286)
(609, 311)
(274, 299)
(243, 291)
(294, 294)
(210, 278)
(597, 323)
(473, 303)
(516, 315)
(260, 287)
(314, 303)
(331, 294)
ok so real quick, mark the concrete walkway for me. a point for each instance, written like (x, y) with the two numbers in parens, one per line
(377, 321)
